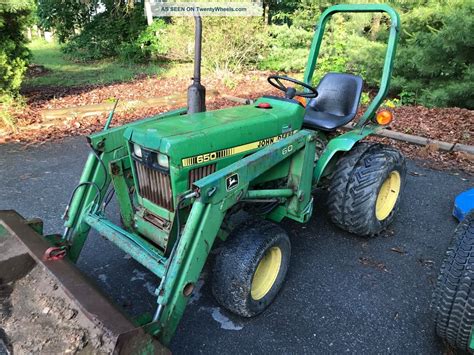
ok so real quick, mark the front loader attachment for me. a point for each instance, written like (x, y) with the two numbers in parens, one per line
(179, 271)
(104, 327)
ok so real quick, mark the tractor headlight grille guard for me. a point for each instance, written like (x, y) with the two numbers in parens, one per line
(154, 183)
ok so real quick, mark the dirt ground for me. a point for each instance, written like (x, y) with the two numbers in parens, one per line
(453, 125)
(37, 317)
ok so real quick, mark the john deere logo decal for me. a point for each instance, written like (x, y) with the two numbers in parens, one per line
(232, 182)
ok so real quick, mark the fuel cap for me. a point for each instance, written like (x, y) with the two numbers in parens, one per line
(264, 105)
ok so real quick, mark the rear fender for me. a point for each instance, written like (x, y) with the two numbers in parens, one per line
(342, 143)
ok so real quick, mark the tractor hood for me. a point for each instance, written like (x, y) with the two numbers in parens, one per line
(189, 135)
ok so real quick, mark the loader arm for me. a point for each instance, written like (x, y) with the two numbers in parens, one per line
(208, 211)
(211, 198)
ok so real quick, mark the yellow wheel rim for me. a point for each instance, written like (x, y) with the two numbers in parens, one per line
(388, 195)
(266, 273)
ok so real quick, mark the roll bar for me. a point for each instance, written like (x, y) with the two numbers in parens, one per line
(389, 55)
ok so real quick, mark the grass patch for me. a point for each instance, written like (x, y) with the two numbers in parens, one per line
(64, 72)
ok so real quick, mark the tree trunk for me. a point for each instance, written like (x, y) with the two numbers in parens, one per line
(266, 12)
(148, 13)
(375, 27)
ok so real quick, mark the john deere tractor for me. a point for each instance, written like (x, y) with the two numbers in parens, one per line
(182, 177)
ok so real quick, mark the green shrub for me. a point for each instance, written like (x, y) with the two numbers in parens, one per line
(65, 17)
(180, 35)
(288, 49)
(233, 43)
(366, 58)
(104, 35)
(434, 63)
(10, 106)
(149, 44)
(230, 44)
(14, 55)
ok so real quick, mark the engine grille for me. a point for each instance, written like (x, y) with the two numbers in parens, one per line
(155, 186)
(199, 173)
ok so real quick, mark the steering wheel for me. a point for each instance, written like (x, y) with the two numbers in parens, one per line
(291, 92)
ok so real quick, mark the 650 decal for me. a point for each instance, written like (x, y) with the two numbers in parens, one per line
(206, 157)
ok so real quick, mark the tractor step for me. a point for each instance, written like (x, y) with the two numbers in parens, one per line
(124, 335)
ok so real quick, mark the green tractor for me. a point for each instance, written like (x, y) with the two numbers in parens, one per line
(182, 178)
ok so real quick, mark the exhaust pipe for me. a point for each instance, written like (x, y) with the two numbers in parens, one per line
(197, 92)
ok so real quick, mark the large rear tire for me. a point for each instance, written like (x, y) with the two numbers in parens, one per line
(251, 267)
(365, 190)
(453, 297)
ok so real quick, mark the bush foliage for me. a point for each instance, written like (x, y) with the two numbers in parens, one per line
(433, 66)
(65, 17)
(147, 45)
(106, 34)
(14, 55)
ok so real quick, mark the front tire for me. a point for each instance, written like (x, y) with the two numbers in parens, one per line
(251, 267)
(453, 297)
(365, 190)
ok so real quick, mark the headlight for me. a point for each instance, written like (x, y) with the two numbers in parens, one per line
(137, 150)
(163, 160)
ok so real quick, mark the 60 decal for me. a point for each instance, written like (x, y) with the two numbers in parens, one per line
(287, 149)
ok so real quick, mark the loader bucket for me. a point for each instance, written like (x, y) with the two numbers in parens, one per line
(48, 291)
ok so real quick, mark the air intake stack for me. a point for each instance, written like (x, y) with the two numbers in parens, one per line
(197, 92)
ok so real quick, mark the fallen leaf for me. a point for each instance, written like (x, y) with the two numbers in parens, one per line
(372, 263)
(398, 250)
(415, 173)
(426, 262)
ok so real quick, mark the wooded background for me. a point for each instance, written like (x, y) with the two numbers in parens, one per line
(433, 65)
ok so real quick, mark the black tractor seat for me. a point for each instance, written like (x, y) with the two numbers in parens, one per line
(336, 104)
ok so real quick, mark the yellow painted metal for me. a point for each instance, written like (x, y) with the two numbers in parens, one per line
(266, 273)
(388, 195)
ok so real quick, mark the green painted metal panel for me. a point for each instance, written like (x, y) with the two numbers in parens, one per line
(122, 192)
(191, 254)
(342, 143)
(213, 187)
(140, 250)
(269, 193)
(3, 231)
(158, 236)
(113, 138)
(202, 133)
(300, 177)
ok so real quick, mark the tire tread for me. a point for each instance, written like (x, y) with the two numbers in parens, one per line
(351, 189)
(453, 297)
